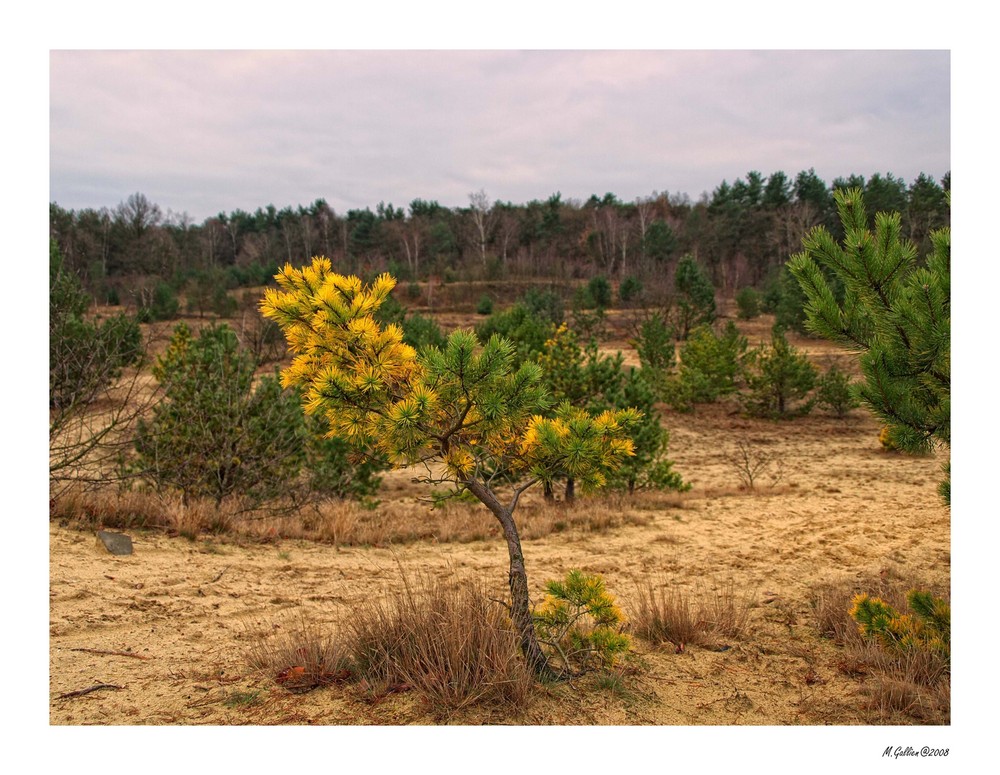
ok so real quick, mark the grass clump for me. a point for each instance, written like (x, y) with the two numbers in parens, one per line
(451, 643)
(668, 615)
(301, 658)
(902, 659)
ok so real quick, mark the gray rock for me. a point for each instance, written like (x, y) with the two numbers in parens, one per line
(116, 543)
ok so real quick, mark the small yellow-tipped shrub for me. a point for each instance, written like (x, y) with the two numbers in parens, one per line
(581, 623)
(885, 439)
(927, 629)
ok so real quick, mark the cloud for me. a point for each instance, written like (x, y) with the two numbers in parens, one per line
(207, 131)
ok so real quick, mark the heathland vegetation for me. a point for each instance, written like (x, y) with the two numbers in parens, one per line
(490, 349)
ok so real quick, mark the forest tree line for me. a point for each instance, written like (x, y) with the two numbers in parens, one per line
(742, 234)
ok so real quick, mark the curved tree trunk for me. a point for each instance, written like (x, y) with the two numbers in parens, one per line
(520, 605)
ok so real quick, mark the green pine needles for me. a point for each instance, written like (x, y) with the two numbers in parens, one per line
(580, 623)
(927, 628)
(896, 312)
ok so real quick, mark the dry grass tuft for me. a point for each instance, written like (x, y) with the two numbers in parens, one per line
(668, 614)
(299, 658)
(345, 523)
(448, 641)
(898, 688)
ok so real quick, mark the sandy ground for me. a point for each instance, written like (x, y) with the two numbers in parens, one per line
(179, 613)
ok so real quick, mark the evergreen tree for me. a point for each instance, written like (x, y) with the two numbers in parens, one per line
(598, 383)
(654, 344)
(896, 311)
(776, 376)
(649, 468)
(710, 367)
(465, 406)
(215, 434)
(694, 303)
(836, 392)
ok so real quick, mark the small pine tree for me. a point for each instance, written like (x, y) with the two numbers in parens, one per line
(654, 344)
(630, 289)
(528, 324)
(599, 292)
(836, 392)
(585, 377)
(896, 310)
(694, 303)
(649, 468)
(214, 434)
(710, 367)
(580, 622)
(928, 628)
(747, 303)
(784, 299)
(777, 376)
(466, 406)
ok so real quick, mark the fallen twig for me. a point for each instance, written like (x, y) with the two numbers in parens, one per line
(220, 574)
(113, 653)
(88, 690)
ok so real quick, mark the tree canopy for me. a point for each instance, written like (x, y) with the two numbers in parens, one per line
(896, 312)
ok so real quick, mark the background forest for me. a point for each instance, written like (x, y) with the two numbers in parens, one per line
(138, 256)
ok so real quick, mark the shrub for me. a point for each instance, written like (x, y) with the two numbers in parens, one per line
(485, 306)
(215, 434)
(546, 304)
(747, 303)
(420, 332)
(834, 391)
(928, 628)
(580, 623)
(599, 292)
(223, 304)
(84, 356)
(751, 461)
(525, 329)
(710, 366)
(87, 359)
(159, 304)
(630, 289)
(777, 376)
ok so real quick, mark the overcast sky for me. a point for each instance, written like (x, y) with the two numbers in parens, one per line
(208, 131)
